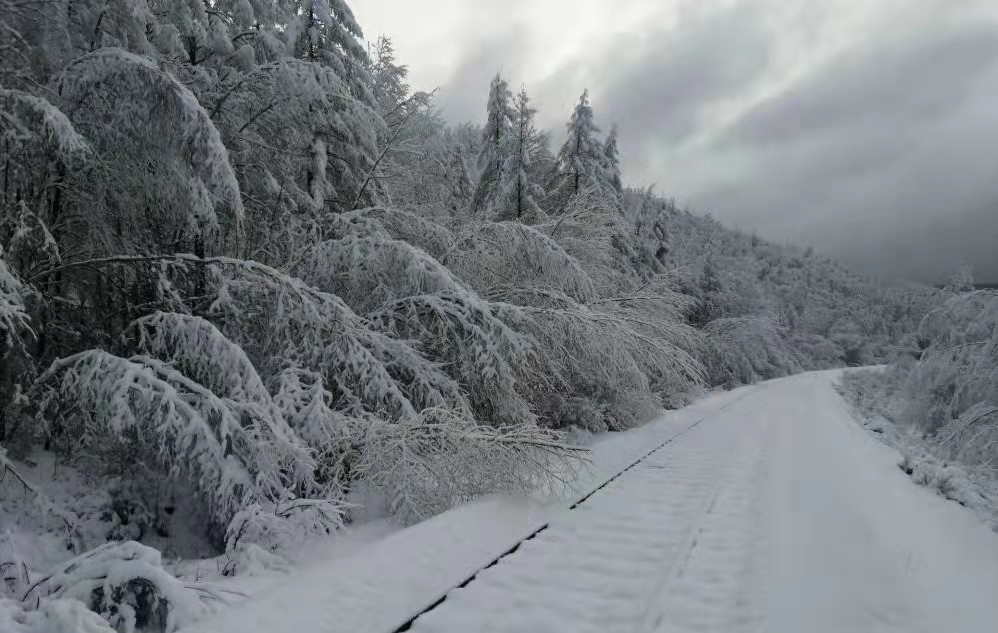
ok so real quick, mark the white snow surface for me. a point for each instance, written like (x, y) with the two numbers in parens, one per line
(770, 511)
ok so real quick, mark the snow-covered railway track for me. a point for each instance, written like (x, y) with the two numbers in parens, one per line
(664, 530)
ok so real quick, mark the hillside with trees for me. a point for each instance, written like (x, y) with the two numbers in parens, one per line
(250, 278)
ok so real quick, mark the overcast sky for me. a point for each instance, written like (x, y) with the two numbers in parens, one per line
(865, 128)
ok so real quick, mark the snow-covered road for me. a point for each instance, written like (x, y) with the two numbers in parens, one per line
(774, 513)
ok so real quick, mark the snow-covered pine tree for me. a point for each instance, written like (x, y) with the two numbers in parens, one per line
(517, 199)
(493, 156)
(581, 158)
(611, 156)
(326, 32)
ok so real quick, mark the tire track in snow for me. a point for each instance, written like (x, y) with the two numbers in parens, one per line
(602, 556)
(717, 586)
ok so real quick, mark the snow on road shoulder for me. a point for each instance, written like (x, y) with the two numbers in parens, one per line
(389, 581)
(860, 547)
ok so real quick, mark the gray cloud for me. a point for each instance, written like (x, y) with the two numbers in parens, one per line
(657, 83)
(887, 157)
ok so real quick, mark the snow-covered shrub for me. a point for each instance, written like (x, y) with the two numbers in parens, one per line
(286, 525)
(816, 351)
(745, 350)
(51, 616)
(15, 578)
(430, 462)
(956, 374)
(124, 583)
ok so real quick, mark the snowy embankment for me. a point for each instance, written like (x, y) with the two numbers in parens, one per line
(777, 512)
(927, 460)
(383, 584)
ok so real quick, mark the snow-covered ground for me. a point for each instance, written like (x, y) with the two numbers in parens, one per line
(776, 512)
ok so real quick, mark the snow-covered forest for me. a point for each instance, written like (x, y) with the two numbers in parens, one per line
(252, 285)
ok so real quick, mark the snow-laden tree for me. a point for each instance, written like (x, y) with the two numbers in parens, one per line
(389, 81)
(326, 32)
(962, 279)
(581, 158)
(601, 363)
(650, 217)
(517, 198)
(745, 350)
(409, 295)
(301, 144)
(496, 135)
(13, 318)
(161, 178)
(611, 166)
(499, 257)
(14, 329)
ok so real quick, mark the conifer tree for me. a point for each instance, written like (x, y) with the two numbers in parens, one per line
(517, 193)
(495, 144)
(581, 157)
(611, 156)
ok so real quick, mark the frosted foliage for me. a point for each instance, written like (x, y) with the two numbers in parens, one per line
(198, 437)
(952, 390)
(745, 350)
(477, 349)
(427, 463)
(370, 271)
(409, 295)
(195, 347)
(599, 357)
(597, 236)
(169, 158)
(409, 227)
(125, 584)
(25, 118)
(276, 317)
(13, 318)
(307, 406)
(302, 140)
(495, 256)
